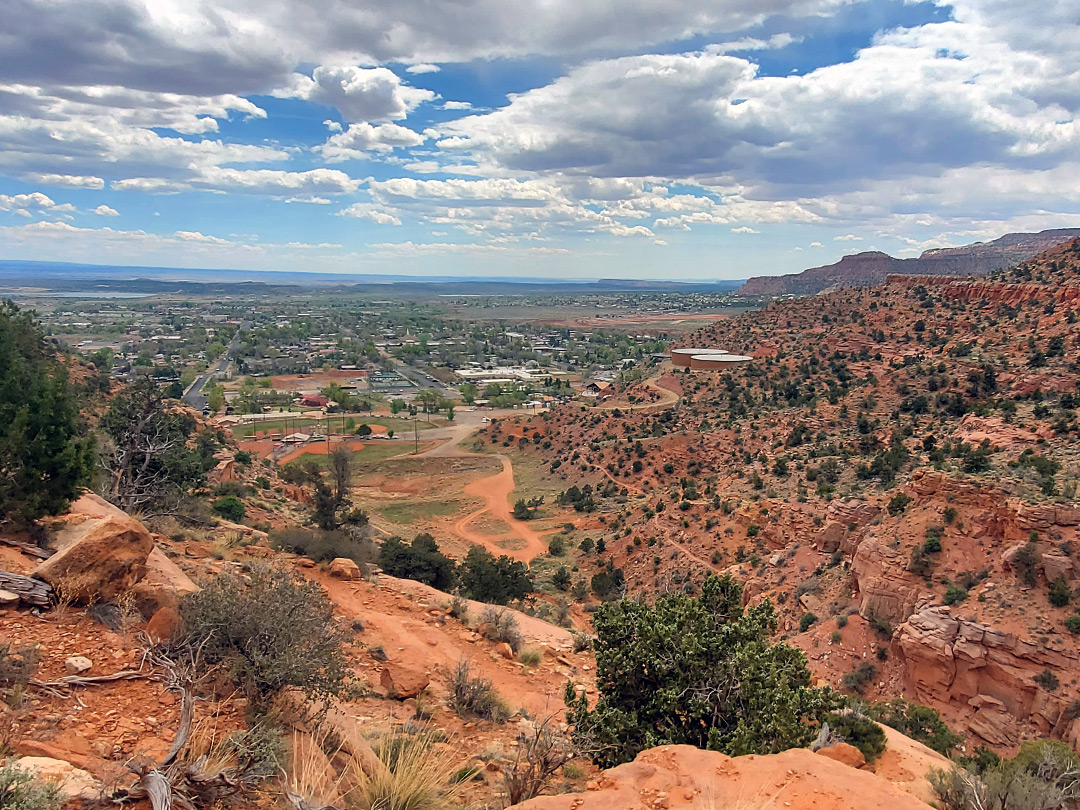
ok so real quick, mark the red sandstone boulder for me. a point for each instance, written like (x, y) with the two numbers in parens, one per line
(162, 586)
(681, 777)
(344, 568)
(401, 682)
(163, 625)
(101, 551)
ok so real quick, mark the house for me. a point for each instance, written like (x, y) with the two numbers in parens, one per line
(314, 401)
(599, 389)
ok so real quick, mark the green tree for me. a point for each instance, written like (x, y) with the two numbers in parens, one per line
(486, 578)
(230, 507)
(332, 503)
(44, 456)
(430, 399)
(215, 400)
(561, 579)
(420, 560)
(697, 671)
(918, 722)
(468, 393)
(147, 458)
(335, 393)
(1060, 593)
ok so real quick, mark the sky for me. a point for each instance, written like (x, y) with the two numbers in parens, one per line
(674, 139)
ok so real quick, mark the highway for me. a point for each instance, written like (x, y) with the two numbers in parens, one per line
(420, 379)
(194, 395)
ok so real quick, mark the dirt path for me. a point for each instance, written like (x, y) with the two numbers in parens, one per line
(495, 490)
(397, 616)
(452, 446)
(667, 399)
(669, 537)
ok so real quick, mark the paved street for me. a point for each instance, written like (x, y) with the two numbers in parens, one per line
(194, 395)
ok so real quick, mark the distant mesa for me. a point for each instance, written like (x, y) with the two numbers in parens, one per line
(872, 268)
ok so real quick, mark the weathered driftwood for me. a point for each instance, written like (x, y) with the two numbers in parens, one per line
(26, 548)
(32, 591)
(89, 680)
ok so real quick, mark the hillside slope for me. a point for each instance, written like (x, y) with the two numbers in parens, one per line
(897, 470)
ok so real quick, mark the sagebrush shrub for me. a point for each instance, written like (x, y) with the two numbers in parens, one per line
(271, 629)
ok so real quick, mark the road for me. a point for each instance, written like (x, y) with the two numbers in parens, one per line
(420, 379)
(194, 395)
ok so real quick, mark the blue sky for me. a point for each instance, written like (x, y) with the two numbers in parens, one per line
(566, 138)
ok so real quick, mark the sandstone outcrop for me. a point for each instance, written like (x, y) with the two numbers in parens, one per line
(74, 783)
(681, 776)
(949, 660)
(886, 589)
(845, 754)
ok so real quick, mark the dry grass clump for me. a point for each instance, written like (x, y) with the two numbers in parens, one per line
(411, 773)
(416, 776)
(474, 696)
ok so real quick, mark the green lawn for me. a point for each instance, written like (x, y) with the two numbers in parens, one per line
(248, 429)
(409, 513)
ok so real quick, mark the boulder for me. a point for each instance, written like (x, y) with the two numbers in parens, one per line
(344, 568)
(996, 726)
(101, 552)
(162, 586)
(163, 625)
(1055, 564)
(8, 599)
(74, 783)
(886, 588)
(828, 539)
(845, 754)
(401, 682)
(77, 664)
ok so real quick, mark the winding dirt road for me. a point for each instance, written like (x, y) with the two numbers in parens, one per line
(495, 490)
(668, 398)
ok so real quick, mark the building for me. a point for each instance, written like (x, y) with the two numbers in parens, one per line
(598, 389)
(681, 357)
(717, 362)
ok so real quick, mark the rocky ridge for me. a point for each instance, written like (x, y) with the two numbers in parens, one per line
(873, 267)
